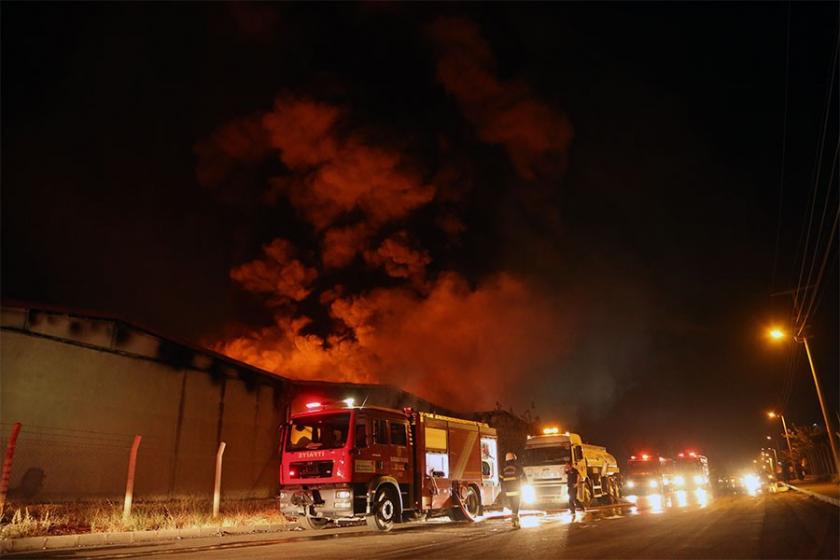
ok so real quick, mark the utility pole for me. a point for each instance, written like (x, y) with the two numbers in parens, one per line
(772, 414)
(828, 430)
(787, 437)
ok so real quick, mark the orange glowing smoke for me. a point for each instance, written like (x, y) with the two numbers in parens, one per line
(340, 245)
(399, 259)
(335, 175)
(535, 136)
(276, 273)
(460, 346)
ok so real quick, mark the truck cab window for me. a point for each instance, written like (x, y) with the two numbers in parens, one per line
(398, 436)
(361, 434)
(380, 431)
(578, 453)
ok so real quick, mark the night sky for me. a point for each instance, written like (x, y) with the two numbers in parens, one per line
(574, 206)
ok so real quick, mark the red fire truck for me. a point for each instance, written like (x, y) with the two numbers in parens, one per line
(385, 465)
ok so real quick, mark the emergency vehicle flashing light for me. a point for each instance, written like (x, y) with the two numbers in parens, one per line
(552, 430)
(313, 405)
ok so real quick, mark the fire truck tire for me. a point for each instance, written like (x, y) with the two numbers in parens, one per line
(587, 494)
(385, 510)
(610, 497)
(312, 523)
(470, 507)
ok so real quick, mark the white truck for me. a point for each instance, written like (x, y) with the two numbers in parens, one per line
(545, 460)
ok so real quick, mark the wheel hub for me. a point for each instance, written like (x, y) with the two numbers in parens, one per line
(387, 510)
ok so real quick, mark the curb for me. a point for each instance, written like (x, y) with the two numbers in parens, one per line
(29, 544)
(823, 498)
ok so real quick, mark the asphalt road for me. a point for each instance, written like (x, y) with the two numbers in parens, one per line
(787, 525)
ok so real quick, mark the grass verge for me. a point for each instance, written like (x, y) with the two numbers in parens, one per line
(32, 520)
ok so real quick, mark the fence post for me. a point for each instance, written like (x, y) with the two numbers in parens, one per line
(129, 483)
(7, 465)
(217, 488)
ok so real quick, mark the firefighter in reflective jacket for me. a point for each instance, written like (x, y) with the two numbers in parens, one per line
(512, 485)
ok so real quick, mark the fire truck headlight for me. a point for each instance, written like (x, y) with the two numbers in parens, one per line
(631, 484)
(653, 484)
(529, 495)
(342, 495)
(679, 481)
(698, 479)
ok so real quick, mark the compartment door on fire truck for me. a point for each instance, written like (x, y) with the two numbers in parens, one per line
(436, 481)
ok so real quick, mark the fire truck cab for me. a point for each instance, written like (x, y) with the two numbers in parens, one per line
(343, 462)
(691, 471)
(648, 473)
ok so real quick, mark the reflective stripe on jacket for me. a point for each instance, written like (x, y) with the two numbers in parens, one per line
(511, 476)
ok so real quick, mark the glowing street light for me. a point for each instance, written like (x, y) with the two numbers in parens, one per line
(776, 333)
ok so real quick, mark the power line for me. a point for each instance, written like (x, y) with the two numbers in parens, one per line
(799, 300)
(820, 230)
(826, 254)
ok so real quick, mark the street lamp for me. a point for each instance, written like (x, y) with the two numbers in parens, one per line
(778, 334)
(772, 414)
(776, 455)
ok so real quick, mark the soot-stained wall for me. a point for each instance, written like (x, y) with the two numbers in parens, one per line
(83, 387)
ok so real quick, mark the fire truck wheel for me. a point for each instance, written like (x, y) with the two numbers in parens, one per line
(471, 505)
(313, 523)
(587, 495)
(385, 511)
(615, 492)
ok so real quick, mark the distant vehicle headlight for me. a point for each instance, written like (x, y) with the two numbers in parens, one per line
(529, 495)
(631, 484)
(751, 483)
(698, 479)
(679, 480)
(653, 484)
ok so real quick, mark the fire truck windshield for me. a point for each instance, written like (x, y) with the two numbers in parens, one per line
(545, 455)
(328, 431)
